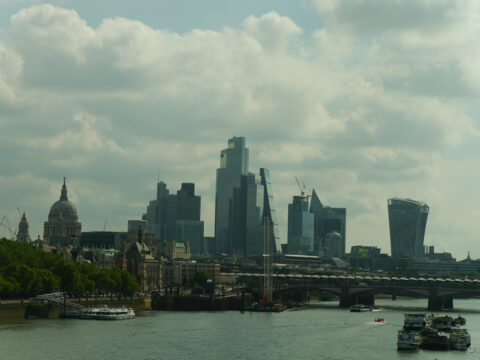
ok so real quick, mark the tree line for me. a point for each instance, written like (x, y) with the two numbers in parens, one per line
(26, 272)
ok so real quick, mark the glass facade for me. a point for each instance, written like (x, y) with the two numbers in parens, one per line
(328, 220)
(408, 220)
(300, 227)
(233, 164)
(176, 217)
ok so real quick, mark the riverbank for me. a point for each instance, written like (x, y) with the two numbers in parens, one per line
(13, 312)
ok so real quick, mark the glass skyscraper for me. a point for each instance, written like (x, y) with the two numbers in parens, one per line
(329, 223)
(177, 217)
(408, 220)
(300, 227)
(233, 164)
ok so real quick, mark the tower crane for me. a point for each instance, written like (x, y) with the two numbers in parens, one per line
(302, 189)
(5, 223)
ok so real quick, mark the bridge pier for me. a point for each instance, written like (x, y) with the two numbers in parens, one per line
(438, 303)
(347, 300)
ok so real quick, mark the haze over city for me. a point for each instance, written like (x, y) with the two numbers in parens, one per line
(362, 109)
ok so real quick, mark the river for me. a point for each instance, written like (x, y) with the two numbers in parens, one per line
(321, 331)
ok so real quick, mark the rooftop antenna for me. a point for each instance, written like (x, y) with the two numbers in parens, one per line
(158, 176)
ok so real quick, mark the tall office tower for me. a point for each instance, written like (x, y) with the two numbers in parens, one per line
(233, 164)
(23, 235)
(316, 207)
(188, 226)
(157, 213)
(408, 220)
(334, 220)
(177, 217)
(254, 216)
(300, 226)
(250, 205)
(328, 220)
(268, 209)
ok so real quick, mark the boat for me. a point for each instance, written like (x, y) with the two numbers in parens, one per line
(414, 322)
(101, 313)
(408, 340)
(460, 339)
(256, 307)
(360, 308)
(432, 339)
(460, 321)
(379, 320)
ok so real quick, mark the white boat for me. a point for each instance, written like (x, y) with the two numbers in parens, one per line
(360, 308)
(408, 340)
(102, 313)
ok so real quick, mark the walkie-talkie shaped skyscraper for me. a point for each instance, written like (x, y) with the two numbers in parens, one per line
(408, 220)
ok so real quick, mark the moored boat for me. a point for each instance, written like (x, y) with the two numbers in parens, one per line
(360, 308)
(101, 313)
(408, 340)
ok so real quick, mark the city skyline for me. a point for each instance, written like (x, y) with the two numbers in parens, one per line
(340, 101)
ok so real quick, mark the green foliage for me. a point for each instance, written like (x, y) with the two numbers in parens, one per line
(25, 271)
(200, 279)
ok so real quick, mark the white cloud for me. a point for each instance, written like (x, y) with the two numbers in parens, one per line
(365, 111)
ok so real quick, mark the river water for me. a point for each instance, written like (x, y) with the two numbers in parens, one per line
(317, 332)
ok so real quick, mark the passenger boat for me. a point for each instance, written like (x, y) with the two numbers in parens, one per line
(101, 313)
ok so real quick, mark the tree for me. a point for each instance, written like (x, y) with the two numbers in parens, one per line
(200, 279)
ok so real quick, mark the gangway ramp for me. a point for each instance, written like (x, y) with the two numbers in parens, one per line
(58, 299)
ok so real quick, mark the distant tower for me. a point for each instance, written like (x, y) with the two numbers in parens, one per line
(408, 220)
(23, 235)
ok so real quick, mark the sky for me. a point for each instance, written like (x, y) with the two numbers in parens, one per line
(362, 100)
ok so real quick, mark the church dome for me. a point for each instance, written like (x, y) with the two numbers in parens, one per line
(63, 209)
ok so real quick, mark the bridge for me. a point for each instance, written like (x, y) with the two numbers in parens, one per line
(361, 289)
(59, 299)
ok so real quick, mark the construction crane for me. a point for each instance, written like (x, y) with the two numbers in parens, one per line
(302, 189)
(5, 223)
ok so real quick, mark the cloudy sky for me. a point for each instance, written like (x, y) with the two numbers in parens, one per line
(361, 99)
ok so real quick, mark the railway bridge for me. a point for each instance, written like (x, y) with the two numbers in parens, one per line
(361, 289)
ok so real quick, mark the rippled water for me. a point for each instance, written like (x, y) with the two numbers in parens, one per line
(323, 332)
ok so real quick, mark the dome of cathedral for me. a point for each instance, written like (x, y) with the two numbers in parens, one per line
(63, 209)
